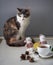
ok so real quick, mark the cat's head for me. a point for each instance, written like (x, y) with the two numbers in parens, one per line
(23, 13)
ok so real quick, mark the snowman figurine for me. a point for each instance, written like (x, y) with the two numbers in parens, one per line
(42, 39)
(29, 45)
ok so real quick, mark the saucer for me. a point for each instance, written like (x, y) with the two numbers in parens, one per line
(47, 56)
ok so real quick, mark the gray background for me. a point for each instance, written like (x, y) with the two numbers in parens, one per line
(41, 15)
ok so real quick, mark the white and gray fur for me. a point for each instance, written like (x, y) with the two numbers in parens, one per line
(14, 28)
(24, 22)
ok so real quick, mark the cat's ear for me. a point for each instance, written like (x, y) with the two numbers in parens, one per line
(28, 9)
(19, 10)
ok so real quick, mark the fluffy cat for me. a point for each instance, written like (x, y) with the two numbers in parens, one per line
(14, 28)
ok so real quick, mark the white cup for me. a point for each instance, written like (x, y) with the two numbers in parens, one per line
(43, 49)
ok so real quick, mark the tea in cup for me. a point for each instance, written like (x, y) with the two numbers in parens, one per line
(43, 49)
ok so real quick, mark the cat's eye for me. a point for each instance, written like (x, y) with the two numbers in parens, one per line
(19, 14)
(26, 15)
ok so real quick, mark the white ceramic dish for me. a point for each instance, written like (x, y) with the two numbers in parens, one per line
(47, 56)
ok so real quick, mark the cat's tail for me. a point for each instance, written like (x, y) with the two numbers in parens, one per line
(17, 43)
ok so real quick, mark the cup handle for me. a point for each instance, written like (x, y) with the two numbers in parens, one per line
(51, 48)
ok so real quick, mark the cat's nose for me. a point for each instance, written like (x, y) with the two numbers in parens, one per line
(23, 19)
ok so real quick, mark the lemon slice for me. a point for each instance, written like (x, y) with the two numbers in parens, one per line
(35, 45)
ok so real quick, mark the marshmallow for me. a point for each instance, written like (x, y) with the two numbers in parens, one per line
(42, 38)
